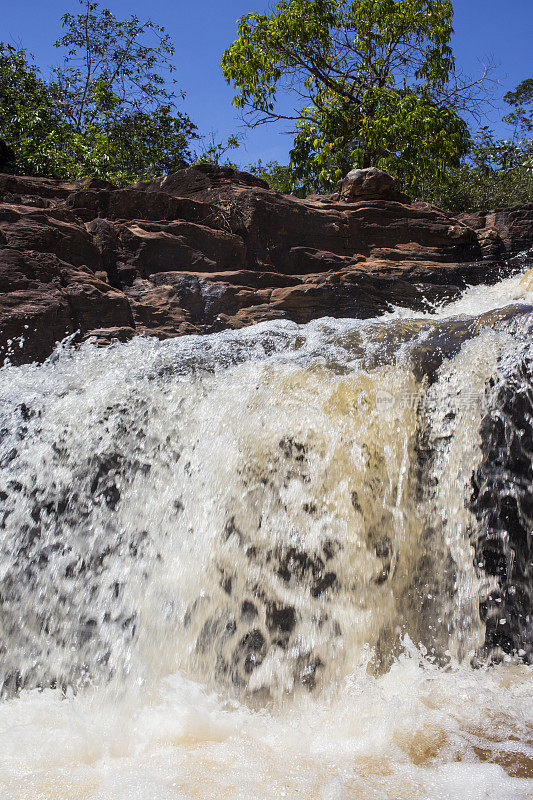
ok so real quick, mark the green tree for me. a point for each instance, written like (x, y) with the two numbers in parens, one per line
(112, 67)
(495, 172)
(279, 177)
(138, 146)
(31, 116)
(107, 112)
(521, 118)
(212, 150)
(113, 84)
(377, 78)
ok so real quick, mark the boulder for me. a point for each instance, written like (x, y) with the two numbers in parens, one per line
(370, 184)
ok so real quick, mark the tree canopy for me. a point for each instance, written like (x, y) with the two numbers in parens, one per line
(496, 172)
(360, 82)
(31, 119)
(372, 82)
(106, 111)
(521, 117)
(112, 67)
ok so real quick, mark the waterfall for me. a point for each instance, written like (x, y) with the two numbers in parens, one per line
(307, 539)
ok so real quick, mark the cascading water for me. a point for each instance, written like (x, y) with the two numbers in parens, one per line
(290, 561)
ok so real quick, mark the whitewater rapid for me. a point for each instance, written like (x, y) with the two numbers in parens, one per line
(244, 565)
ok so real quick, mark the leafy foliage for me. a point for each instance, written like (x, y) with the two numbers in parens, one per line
(111, 67)
(378, 77)
(137, 145)
(212, 151)
(497, 172)
(521, 118)
(494, 173)
(373, 82)
(411, 138)
(31, 117)
(107, 111)
(279, 177)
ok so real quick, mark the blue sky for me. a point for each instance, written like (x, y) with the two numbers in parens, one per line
(202, 29)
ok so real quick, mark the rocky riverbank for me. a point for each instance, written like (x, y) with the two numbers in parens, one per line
(209, 248)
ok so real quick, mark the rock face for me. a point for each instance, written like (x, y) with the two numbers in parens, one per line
(505, 230)
(210, 247)
(204, 182)
(43, 299)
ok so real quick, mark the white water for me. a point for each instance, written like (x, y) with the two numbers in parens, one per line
(222, 550)
(479, 299)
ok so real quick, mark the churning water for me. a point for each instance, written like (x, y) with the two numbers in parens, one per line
(290, 561)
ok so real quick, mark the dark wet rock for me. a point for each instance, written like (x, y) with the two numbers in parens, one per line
(59, 557)
(502, 499)
(251, 650)
(248, 610)
(322, 583)
(280, 618)
(308, 673)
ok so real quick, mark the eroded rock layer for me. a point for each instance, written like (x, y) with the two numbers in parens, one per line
(210, 248)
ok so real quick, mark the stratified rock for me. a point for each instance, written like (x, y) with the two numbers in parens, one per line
(55, 231)
(512, 228)
(43, 192)
(210, 247)
(134, 204)
(275, 228)
(44, 299)
(207, 182)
